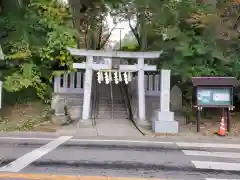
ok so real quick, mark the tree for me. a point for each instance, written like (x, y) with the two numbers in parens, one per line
(191, 34)
(89, 18)
(37, 33)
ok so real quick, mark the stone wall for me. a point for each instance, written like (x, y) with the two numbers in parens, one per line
(153, 102)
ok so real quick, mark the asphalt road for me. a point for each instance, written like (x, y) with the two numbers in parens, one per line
(164, 160)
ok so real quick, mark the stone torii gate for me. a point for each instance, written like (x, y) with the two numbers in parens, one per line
(140, 67)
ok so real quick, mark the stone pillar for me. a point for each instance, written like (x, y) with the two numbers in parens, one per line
(87, 89)
(1, 53)
(165, 90)
(141, 92)
(164, 119)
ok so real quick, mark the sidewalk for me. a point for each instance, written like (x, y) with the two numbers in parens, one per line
(188, 139)
(191, 136)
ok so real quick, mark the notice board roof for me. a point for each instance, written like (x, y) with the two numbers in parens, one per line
(215, 81)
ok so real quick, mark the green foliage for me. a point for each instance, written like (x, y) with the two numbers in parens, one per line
(37, 35)
(191, 35)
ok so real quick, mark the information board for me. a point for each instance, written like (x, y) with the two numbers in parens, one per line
(214, 96)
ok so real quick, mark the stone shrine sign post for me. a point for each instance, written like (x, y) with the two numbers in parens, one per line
(163, 118)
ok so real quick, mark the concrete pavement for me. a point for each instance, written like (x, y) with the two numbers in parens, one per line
(138, 158)
(104, 127)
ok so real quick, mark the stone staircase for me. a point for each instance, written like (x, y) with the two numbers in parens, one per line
(74, 103)
(108, 108)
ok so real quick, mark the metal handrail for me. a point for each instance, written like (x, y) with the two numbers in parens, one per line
(127, 100)
(111, 93)
(124, 98)
(94, 101)
(128, 104)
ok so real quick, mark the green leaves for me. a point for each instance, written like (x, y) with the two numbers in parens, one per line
(37, 35)
(185, 49)
(200, 49)
(187, 31)
(170, 33)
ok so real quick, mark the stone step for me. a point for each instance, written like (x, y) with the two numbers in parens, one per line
(110, 112)
(110, 108)
(115, 106)
(71, 94)
(109, 97)
(107, 89)
(110, 102)
(73, 99)
(110, 105)
(106, 109)
(109, 116)
(108, 94)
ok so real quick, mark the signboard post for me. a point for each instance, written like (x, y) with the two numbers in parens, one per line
(214, 92)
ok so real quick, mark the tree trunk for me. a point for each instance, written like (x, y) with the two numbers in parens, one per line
(141, 19)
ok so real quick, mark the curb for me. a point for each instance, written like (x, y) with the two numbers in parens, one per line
(57, 177)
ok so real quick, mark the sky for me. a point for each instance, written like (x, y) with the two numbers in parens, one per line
(115, 36)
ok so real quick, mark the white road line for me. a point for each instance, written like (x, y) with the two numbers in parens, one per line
(90, 140)
(209, 145)
(217, 165)
(34, 155)
(180, 144)
(212, 154)
(121, 141)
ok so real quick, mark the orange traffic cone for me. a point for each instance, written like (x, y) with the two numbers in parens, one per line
(222, 130)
